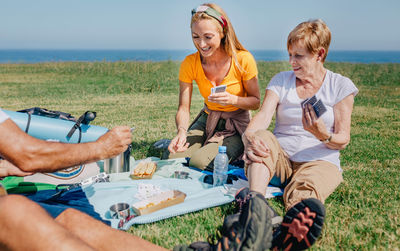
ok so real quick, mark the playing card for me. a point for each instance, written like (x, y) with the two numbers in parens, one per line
(310, 101)
(220, 88)
(319, 108)
(317, 105)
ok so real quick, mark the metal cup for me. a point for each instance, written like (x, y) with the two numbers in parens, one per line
(120, 211)
(118, 164)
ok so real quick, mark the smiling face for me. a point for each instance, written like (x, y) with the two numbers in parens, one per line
(206, 37)
(303, 62)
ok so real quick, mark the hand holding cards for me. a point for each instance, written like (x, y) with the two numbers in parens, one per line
(217, 89)
(318, 106)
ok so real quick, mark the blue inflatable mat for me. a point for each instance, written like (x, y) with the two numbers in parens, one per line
(55, 129)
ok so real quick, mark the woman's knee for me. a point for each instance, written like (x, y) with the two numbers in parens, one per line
(195, 139)
(234, 147)
(168, 155)
(267, 136)
(201, 160)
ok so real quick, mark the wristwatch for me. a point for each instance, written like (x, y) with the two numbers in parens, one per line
(326, 140)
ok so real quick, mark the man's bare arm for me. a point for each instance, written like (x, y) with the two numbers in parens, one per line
(34, 155)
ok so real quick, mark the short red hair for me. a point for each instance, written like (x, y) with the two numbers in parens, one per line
(315, 35)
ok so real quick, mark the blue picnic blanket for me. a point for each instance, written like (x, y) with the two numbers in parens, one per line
(122, 189)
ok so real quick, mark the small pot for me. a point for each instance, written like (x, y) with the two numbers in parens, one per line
(119, 163)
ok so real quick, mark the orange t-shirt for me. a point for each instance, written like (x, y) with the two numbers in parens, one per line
(191, 69)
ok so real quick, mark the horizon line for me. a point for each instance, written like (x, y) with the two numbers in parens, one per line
(137, 49)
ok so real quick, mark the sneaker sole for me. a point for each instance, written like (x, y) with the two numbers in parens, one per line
(301, 226)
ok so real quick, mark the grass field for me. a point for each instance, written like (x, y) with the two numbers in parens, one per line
(362, 214)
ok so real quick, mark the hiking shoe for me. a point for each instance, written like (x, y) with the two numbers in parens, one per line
(301, 226)
(241, 198)
(276, 221)
(253, 230)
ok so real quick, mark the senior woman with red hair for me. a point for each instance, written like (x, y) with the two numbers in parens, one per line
(313, 108)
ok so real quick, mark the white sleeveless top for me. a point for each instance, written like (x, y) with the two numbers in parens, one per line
(299, 144)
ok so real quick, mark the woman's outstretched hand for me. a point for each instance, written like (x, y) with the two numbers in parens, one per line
(178, 144)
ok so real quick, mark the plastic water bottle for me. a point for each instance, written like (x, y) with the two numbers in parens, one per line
(220, 167)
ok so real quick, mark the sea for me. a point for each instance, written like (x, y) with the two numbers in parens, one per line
(40, 56)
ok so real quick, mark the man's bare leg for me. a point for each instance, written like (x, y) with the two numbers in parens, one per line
(26, 226)
(99, 235)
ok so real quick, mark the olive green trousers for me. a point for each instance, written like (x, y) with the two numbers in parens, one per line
(202, 155)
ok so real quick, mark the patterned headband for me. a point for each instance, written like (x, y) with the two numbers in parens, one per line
(212, 13)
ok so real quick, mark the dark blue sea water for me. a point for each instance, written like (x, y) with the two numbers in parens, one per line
(36, 56)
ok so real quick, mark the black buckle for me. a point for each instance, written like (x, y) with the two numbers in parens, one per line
(84, 119)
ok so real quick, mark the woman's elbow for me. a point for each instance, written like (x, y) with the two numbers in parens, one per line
(342, 147)
(344, 144)
(256, 104)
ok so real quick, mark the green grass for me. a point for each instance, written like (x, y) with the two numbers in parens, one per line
(362, 214)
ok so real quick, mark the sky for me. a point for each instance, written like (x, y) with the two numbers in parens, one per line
(165, 24)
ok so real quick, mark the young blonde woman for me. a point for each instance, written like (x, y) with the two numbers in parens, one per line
(220, 60)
